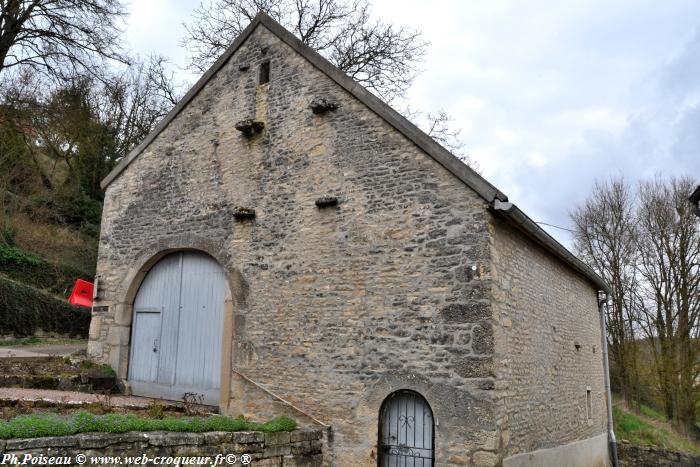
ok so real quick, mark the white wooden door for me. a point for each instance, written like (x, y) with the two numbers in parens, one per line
(177, 329)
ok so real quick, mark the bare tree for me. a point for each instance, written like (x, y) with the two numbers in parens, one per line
(381, 57)
(437, 126)
(59, 37)
(605, 237)
(131, 103)
(669, 266)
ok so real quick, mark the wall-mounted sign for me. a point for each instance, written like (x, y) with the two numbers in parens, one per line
(100, 309)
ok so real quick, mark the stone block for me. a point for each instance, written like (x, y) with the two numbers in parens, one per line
(305, 461)
(95, 327)
(94, 349)
(218, 437)
(245, 437)
(267, 462)
(484, 459)
(282, 437)
(475, 367)
(174, 439)
(277, 450)
(482, 339)
(118, 335)
(304, 435)
(471, 312)
(40, 443)
(122, 314)
(101, 440)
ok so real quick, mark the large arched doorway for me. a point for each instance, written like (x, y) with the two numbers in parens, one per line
(406, 431)
(176, 336)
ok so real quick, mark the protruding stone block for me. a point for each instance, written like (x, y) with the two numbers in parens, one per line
(323, 105)
(250, 127)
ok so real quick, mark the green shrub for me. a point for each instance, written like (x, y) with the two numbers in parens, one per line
(48, 424)
(107, 370)
(31, 269)
(24, 310)
(13, 256)
(71, 207)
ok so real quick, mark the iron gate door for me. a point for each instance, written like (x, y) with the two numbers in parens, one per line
(406, 431)
(177, 329)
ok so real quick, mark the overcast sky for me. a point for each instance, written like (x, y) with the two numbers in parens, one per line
(550, 95)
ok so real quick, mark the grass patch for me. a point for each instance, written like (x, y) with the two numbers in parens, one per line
(103, 368)
(649, 431)
(55, 243)
(27, 267)
(49, 424)
(652, 413)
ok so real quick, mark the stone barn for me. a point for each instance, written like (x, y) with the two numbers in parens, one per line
(285, 243)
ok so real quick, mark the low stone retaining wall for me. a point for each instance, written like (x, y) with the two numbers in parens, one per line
(80, 383)
(631, 455)
(285, 449)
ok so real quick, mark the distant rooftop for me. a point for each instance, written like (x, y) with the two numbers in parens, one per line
(695, 199)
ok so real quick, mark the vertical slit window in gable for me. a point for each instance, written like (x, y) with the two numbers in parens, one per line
(264, 76)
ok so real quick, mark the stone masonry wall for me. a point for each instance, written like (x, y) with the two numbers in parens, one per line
(548, 347)
(295, 449)
(335, 308)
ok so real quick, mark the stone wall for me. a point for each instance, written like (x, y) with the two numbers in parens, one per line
(295, 449)
(333, 309)
(548, 347)
(631, 455)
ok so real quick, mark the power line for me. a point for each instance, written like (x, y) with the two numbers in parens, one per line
(574, 231)
(555, 226)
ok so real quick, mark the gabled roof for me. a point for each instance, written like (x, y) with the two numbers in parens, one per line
(459, 169)
(472, 179)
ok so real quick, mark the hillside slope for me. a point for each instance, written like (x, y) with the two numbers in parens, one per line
(650, 428)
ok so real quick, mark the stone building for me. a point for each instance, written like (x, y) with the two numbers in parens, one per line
(285, 243)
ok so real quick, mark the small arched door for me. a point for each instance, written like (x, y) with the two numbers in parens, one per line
(406, 430)
(176, 331)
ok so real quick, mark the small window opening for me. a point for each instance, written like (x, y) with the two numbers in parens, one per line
(264, 73)
(589, 404)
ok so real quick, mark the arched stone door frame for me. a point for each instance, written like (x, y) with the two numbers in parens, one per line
(127, 290)
(401, 414)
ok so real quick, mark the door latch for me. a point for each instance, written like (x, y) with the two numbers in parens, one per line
(155, 344)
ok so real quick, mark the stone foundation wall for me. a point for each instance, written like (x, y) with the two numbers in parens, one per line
(631, 455)
(298, 448)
